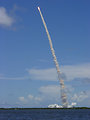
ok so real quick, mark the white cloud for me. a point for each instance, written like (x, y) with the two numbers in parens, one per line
(76, 71)
(50, 93)
(38, 99)
(47, 93)
(31, 97)
(80, 97)
(51, 90)
(5, 19)
(22, 99)
(34, 98)
(43, 74)
(70, 71)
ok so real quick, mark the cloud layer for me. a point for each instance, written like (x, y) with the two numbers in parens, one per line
(47, 94)
(80, 97)
(51, 94)
(43, 74)
(5, 19)
(30, 99)
(71, 72)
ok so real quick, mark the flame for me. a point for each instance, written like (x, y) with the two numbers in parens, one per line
(39, 8)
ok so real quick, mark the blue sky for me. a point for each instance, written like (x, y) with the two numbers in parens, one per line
(27, 73)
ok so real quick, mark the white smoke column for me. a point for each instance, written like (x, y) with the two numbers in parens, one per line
(63, 94)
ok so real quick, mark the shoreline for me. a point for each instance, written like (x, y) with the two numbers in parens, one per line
(42, 108)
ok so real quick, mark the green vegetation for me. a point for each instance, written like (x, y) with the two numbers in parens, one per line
(42, 108)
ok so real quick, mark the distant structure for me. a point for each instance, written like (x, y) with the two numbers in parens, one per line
(63, 93)
(59, 106)
(55, 106)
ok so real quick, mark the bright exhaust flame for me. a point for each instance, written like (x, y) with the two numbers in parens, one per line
(39, 8)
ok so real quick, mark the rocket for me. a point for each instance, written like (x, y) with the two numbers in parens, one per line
(63, 93)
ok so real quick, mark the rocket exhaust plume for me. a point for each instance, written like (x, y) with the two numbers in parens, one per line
(63, 93)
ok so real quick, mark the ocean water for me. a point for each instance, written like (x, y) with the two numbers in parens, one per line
(45, 114)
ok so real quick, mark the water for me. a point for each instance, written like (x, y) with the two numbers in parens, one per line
(45, 114)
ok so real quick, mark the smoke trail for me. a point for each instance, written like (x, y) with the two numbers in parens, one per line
(63, 94)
